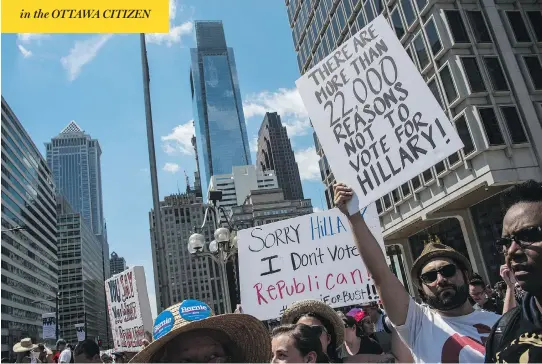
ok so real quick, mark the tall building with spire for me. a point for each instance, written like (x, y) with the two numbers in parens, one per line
(74, 158)
(218, 109)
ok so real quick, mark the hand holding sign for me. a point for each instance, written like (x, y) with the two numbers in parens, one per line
(342, 194)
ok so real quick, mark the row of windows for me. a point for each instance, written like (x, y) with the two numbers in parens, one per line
(38, 262)
(493, 132)
(20, 300)
(28, 277)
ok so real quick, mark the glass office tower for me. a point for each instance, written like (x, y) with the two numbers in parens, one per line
(218, 109)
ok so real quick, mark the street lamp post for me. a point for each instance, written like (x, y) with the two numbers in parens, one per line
(220, 250)
(57, 298)
(16, 228)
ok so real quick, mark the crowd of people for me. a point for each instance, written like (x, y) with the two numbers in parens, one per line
(460, 319)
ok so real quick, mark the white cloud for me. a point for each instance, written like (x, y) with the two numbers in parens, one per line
(286, 102)
(180, 139)
(171, 167)
(29, 37)
(307, 161)
(176, 32)
(173, 37)
(317, 209)
(82, 53)
(25, 52)
(254, 144)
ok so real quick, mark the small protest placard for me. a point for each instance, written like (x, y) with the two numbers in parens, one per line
(376, 119)
(129, 309)
(308, 257)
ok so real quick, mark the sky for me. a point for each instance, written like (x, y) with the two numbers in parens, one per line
(96, 80)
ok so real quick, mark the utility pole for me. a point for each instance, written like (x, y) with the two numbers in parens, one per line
(161, 259)
(56, 318)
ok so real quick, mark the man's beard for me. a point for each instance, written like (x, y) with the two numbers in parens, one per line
(451, 300)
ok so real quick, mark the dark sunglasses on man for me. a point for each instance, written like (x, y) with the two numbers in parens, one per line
(446, 271)
(523, 238)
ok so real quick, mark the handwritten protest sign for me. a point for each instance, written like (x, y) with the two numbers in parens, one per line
(49, 325)
(376, 119)
(308, 257)
(129, 309)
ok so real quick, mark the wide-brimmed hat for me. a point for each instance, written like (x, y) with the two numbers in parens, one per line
(247, 332)
(435, 249)
(24, 345)
(303, 307)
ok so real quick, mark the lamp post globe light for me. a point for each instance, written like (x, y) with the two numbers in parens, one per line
(220, 250)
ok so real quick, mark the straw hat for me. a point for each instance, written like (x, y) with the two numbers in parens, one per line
(435, 249)
(24, 345)
(247, 332)
(303, 307)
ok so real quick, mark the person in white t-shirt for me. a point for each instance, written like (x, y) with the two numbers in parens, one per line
(66, 355)
(446, 329)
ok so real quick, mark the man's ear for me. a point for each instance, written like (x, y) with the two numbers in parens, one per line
(310, 357)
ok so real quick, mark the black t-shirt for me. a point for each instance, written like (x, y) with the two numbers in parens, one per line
(368, 345)
(522, 341)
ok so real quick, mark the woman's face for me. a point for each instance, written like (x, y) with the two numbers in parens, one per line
(349, 333)
(284, 351)
(199, 347)
(325, 337)
(368, 326)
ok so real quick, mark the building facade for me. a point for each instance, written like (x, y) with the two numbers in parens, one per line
(117, 264)
(29, 255)
(267, 206)
(219, 121)
(189, 277)
(81, 278)
(237, 185)
(482, 62)
(275, 153)
(74, 158)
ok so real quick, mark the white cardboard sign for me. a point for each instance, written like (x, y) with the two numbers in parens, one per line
(129, 309)
(308, 257)
(376, 119)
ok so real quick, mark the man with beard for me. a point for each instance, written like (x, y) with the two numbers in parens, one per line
(517, 337)
(447, 330)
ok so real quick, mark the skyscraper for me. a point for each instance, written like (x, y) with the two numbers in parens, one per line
(80, 277)
(188, 276)
(275, 153)
(482, 62)
(221, 133)
(29, 244)
(117, 264)
(74, 158)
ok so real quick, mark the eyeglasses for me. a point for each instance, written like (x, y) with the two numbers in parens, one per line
(319, 328)
(446, 271)
(523, 238)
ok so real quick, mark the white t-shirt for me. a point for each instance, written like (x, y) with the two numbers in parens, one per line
(433, 338)
(65, 356)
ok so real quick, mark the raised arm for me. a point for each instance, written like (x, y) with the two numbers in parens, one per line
(510, 298)
(392, 293)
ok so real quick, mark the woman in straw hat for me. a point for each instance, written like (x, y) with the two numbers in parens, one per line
(317, 313)
(23, 350)
(189, 332)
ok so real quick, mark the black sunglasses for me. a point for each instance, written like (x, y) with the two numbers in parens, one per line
(320, 329)
(446, 271)
(523, 238)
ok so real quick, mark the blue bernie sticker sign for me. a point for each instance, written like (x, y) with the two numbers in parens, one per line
(193, 310)
(163, 324)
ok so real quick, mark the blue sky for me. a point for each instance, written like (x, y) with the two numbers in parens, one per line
(96, 80)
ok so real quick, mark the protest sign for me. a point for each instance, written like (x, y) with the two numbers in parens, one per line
(308, 257)
(376, 119)
(129, 309)
(49, 325)
(80, 330)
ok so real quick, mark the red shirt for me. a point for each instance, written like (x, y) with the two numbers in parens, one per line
(56, 356)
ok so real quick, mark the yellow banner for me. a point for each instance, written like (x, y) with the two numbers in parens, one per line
(85, 16)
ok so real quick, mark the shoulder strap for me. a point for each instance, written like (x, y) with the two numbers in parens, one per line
(386, 328)
(499, 333)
